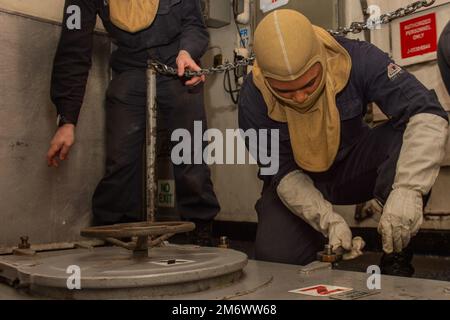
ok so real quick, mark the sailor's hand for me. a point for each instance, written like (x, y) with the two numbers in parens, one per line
(185, 62)
(60, 145)
(401, 219)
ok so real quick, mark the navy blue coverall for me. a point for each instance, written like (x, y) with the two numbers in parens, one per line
(366, 161)
(178, 26)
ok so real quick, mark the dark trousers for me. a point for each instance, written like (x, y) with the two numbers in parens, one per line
(367, 172)
(119, 195)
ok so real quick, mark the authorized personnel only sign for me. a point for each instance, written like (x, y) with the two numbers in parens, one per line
(418, 36)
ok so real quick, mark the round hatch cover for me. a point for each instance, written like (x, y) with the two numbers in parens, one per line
(113, 272)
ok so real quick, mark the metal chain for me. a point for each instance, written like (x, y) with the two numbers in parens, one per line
(355, 28)
(163, 69)
(358, 27)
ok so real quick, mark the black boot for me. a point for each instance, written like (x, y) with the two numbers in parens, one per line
(398, 264)
(202, 234)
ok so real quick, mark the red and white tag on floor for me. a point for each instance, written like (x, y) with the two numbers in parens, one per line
(321, 290)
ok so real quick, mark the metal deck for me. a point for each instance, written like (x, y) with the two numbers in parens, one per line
(116, 274)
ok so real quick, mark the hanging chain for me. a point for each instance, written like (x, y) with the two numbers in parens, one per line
(355, 28)
(358, 27)
(170, 71)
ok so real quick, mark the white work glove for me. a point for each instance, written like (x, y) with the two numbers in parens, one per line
(401, 219)
(418, 166)
(298, 193)
(339, 233)
(358, 245)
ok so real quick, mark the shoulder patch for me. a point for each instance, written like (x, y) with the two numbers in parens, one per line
(393, 71)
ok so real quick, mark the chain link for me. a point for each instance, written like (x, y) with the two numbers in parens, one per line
(358, 27)
(355, 28)
(170, 71)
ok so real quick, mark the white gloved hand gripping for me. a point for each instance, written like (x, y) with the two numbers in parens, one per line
(298, 193)
(418, 166)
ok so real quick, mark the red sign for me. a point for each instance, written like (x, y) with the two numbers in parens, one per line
(418, 36)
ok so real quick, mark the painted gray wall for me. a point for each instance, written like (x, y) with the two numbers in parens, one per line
(46, 204)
